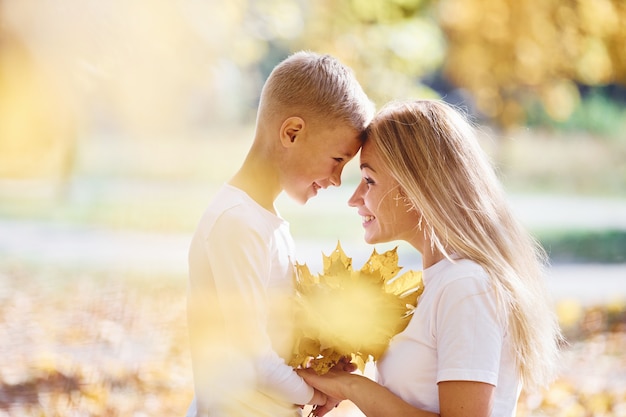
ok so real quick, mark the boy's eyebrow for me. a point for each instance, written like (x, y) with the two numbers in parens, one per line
(366, 165)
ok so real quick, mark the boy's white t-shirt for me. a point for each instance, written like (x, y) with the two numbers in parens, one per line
(458, 332)
(241, 271)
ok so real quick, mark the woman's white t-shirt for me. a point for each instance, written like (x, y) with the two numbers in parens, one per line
(458, 332)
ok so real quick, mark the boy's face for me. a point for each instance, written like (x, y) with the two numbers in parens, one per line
(318, 159)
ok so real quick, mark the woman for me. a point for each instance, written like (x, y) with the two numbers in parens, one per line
(483, 325)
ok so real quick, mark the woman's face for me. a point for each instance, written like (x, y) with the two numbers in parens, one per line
(386, 214)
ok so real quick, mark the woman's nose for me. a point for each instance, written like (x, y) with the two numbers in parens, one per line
(356, 199)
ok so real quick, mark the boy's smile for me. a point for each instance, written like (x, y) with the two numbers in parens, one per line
(316, 187)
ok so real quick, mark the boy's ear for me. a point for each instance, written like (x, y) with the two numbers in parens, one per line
(291, 128)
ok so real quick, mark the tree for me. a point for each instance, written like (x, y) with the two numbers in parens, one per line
(508, 53)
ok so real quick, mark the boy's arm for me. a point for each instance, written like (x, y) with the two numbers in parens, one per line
(238, 256)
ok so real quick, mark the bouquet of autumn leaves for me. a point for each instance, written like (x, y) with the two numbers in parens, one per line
(347, 313)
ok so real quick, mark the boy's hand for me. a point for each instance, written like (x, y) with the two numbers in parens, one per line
(321, 410)
(319, 398)
(345, 365)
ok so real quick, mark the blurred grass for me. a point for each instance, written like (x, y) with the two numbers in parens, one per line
(541, 161)
(163, 185)
(141, 179)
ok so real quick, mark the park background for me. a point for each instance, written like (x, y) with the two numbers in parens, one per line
(119, 119)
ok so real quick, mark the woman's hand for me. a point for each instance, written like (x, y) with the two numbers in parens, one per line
(333, 383)
(322, 408)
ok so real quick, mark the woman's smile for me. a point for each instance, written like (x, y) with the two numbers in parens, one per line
(367, 219)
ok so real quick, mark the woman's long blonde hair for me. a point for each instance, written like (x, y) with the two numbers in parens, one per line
(433, 153)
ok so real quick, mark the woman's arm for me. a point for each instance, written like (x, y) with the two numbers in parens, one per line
(456, 398)
(373, 399)
(465, 398)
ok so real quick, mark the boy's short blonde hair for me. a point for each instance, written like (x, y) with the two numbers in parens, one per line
(318, 87)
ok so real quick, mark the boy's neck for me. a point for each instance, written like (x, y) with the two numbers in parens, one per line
(257, 179)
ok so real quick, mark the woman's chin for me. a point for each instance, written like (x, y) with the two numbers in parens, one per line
(370, 239)
(374, 239)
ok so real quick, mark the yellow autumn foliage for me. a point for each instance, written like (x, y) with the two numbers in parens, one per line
(505, 51)
(342, 312)
(58, 361)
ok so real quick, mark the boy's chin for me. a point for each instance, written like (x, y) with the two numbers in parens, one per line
(300, 198)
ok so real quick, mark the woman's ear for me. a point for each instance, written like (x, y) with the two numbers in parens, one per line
(291, 128)
(402, 198)
(402, 195)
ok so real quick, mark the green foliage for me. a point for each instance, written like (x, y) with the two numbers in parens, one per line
(384, 11)
(389, 44)
(596, 114)
(603, 246)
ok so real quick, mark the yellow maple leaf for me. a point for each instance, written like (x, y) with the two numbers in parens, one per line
(343, 312)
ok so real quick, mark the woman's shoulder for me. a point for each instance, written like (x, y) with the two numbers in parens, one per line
(463, 274)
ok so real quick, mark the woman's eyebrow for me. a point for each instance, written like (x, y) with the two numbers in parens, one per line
(366, 165)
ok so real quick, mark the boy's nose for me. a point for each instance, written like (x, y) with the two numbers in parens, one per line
(335, 179)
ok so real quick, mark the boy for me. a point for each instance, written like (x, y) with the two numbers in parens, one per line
(310, 122)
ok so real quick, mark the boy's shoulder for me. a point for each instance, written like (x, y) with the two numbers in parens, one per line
(227, 196)
(231, 208)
